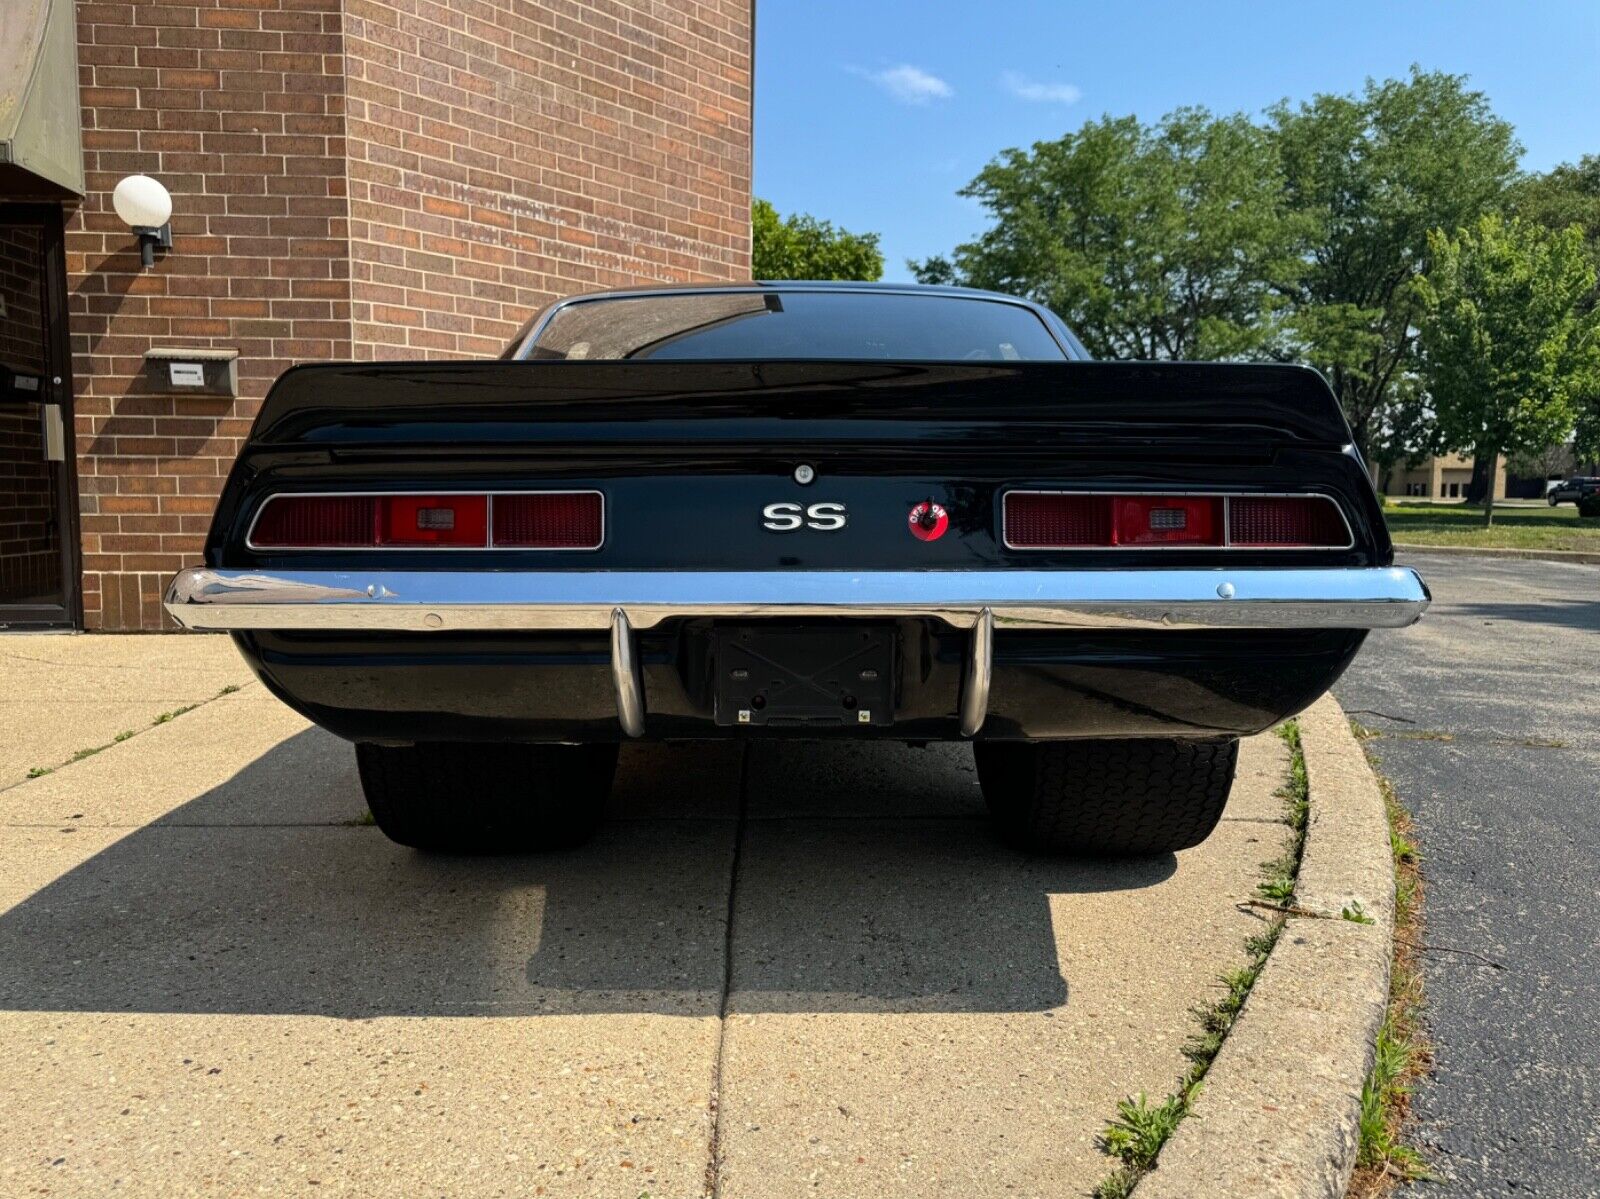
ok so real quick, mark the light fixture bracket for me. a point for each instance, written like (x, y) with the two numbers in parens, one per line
(151, 236)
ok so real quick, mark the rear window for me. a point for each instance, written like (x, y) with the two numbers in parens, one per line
(790, 324)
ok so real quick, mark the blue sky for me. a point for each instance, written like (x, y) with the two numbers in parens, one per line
(871, 114)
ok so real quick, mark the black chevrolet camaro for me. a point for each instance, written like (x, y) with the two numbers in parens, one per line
(798, 510)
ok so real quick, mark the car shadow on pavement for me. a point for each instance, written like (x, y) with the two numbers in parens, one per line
(1573, 614)
(862, 880)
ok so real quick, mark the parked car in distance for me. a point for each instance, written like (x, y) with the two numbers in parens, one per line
(1570, 491)
(798, 510)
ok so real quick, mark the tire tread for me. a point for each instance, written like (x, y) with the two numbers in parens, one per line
(1112, 798)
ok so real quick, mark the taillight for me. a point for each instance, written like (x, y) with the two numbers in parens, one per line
(334, 521)
(1167, 520)
(548, 521)
(1285, 520)
(1076, 520)
(1055, 520)
(457, 521)
(515, 520)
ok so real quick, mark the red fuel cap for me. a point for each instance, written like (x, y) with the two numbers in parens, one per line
(928, 521)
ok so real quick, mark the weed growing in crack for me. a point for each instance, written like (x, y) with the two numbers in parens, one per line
(1141, 1129)
(1355, 913)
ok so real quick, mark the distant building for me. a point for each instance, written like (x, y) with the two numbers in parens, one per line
(1446, 477)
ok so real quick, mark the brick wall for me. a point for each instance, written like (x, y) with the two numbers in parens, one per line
(238, 109)
(504, 153)
(30, 553)
(21, 298)
(370, 179)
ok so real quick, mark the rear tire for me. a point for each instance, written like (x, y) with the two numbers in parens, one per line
(465, 797)
(1112, 798)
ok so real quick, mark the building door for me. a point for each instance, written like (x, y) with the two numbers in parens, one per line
(38, 481)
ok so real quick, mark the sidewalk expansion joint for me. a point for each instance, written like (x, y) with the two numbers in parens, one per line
(713, 1177)
(39, 772)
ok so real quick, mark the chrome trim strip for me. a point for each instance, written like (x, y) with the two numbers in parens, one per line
(250, 543)
(1227, 532)
(625, 675)
(426, 600)
(980, 671)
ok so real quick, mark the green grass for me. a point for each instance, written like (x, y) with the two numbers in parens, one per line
(1542, 528)
(1141, 1128)
(1278, 884)
(1383, 1159)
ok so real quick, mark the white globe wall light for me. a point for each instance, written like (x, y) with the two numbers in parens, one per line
(146, 206)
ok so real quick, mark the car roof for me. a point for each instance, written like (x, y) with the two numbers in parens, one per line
(536, 322)
(846, 285)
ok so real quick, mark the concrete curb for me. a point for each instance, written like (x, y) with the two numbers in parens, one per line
(1582, 557)
(1277, 1114)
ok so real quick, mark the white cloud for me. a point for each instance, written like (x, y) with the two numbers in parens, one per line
(1023, 88)
(909, 84)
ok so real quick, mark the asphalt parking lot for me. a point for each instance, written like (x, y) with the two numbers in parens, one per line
(1490, 715)
(787, 971)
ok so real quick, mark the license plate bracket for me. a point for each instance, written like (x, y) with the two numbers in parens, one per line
(804, 676)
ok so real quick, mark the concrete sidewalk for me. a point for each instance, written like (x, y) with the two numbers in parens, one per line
(787, 970)
(60, 695)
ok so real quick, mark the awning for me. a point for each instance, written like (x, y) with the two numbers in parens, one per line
(41, 147)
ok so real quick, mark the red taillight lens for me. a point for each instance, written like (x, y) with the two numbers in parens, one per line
(1040, 520)
(539, 520)
(1067, 520)
(1285, 520)
(1167, 520)
(551, 521)
(425, 520)
(1036, 520)
(316, 521)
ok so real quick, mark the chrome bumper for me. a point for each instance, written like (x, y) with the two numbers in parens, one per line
(530, 600)
(621, 601)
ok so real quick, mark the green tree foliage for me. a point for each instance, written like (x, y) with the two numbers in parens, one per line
(1170, 241)
(1375, 173)
(802, 247)
(1566, 195)
(1570, 195)
(1506, 350)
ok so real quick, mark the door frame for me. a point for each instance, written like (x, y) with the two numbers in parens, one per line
(52, 219)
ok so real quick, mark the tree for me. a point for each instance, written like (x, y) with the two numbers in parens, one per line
(1552, 461)
(1565, 195)
(1570, 195)
(1374, 174)
(1505, 347)
(1170, 241)
(802, 247)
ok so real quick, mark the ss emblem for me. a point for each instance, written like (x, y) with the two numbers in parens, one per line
(786, 518)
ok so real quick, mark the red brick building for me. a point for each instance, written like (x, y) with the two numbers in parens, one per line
(350, 179)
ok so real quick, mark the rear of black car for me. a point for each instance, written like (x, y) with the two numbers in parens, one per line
(639, 526)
